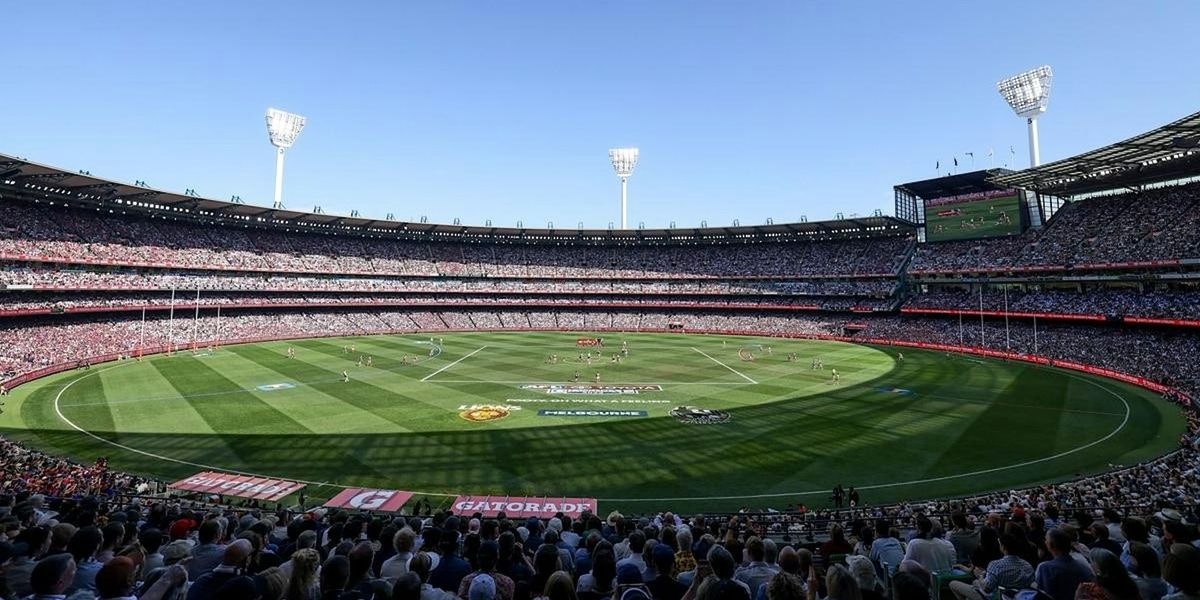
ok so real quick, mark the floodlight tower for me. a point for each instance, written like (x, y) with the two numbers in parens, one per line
(283, 127)
(1028, 94)
(623, 162)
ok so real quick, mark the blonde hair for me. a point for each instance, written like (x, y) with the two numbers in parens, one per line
(304, 574)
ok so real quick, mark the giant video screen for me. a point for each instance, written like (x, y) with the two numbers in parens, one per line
(971, 216)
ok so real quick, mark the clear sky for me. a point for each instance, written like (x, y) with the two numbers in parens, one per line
(504, 110)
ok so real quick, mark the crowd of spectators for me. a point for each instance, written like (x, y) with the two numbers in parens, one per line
(1066, 542)
(38, 232)
(1148, 225)
(1174, 304)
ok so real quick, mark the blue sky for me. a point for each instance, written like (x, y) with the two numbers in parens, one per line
(505, 110)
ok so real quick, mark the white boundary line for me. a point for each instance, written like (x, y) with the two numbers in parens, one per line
(735, 371)
(477, 351)
(1112, 433)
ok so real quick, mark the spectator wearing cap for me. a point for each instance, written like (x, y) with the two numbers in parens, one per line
(482, 587)
(664, 586)
(208, 553)
(486, 558)
(451, 568)
(237, 554)
(1060, 576)
(630, 584)
(83, 547)
(757, 572)
(52, 577)
(420, 565)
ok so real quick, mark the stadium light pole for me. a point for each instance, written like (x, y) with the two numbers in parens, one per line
(1028, 94)
(283, 127)
(623, 162)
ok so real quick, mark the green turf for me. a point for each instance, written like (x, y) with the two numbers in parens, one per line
(929, 426)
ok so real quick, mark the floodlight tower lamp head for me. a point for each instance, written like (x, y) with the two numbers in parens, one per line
(623, 162)
(283, 128)
(1028, 94)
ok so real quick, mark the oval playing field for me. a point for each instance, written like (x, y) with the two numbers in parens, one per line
(683, 421)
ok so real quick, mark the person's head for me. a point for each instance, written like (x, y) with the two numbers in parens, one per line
(36, 540)
(116, 578)
(85, 543)
(151, 540)
(361, 558)
(959, 519)
(841, 584)
(559, 586)
(1112, 575)
(909, 586)
(407, 587)
(789, 560)
(335, 573)
(722, 562)
(52, 575)
(604, 565)
(113, 533)
(882, 529)
(545, 560)
(755, 550)
(210, 531)
(862, 570)
(637, 540)
(1011, 545)
(924, 527)
(1135, 530)
(1058, 542)
(420, 565)
(837, 534)
(718, 589)
(483, 587)
(683, 539)
(1145, 560)
(1181, 568)
(784, 585)
(60, 536)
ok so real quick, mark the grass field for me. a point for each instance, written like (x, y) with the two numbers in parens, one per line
(931, 425)
(979, 219)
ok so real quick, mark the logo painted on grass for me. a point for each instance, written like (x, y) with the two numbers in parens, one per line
(559, 412)
(895, 390)
(585, 401)
(699, 416)
(479, 413)
(271, 387)
(590, 390)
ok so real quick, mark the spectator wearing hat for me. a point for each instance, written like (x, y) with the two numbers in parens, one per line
(487, 557)
(482, 587)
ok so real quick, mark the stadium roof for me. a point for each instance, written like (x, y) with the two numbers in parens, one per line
(20, 178)
(1168, 153)
(954, 185)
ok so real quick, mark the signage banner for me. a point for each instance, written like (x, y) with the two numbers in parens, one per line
(241, 486)
(369, 499)
(522, 507)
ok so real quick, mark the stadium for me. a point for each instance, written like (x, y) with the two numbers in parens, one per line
(1011, 352)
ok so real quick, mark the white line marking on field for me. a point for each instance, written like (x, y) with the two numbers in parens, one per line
(735, 371)
(477, 351)
(602, 383)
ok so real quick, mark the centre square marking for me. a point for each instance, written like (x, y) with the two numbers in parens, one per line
(590, 389)
(271, 387)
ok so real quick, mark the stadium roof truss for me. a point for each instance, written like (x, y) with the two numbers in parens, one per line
(35, 182)
(1168, 153)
